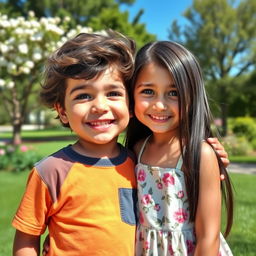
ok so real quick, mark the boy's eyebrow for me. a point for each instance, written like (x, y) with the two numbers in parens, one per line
(79, 87)
(110, 86)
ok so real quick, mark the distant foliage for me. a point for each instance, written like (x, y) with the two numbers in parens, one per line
(244, 127)
(236, 146)
(17, 158)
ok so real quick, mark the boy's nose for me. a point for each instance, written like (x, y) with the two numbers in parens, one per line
(99, 105)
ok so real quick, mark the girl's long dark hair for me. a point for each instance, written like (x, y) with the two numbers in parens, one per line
(195, 116)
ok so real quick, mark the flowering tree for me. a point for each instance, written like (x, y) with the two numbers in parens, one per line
(24, 46)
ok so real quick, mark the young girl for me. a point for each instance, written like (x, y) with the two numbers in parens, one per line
(178, 172)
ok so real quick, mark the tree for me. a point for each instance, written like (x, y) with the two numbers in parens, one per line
(112, 18)
(222, 34)
(24, 46)
(97, 14)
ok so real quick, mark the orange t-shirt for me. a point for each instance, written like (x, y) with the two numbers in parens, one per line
(88, 204)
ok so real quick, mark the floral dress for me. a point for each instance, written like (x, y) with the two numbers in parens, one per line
(164, 227)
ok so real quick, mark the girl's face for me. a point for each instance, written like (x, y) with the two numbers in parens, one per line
(156, 99)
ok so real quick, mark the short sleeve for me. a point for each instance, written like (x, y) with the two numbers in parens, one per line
(32, 214)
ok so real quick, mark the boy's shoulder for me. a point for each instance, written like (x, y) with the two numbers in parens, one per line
(55, 159)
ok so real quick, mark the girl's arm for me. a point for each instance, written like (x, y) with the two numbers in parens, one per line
(25, 244)
(208, 215)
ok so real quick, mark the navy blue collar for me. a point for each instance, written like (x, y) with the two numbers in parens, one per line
(74, 156)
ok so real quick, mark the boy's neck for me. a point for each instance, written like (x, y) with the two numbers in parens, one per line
(109, 150)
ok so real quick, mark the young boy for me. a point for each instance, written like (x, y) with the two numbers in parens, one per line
(84, 193)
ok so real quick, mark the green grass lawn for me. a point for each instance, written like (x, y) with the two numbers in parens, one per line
(242, 239)
(243, 235)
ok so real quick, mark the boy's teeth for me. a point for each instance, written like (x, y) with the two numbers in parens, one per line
(100, 123)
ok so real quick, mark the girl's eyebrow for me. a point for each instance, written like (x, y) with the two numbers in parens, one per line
(149, 84)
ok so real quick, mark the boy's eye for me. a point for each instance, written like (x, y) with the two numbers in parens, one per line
(83, 96)
(114, 94)
(147, 91)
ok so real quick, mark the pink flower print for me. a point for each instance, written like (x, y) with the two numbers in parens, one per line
(157, 207)
(141, 175)
(141, 237)
(141, 218)
(190, 246)
(181, 215)
(159, 185)
(180, 194)
(146, 199)
(170, 250)
(168, 179)
(146, 245)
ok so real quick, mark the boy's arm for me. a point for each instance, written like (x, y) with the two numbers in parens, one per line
(220, 150)
(26, 245)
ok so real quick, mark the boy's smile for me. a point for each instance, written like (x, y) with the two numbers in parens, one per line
(97, 109)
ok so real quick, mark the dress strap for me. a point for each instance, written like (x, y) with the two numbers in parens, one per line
(179, 163)
(142, 148)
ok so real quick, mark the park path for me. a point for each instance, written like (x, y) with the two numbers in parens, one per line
(242, 168)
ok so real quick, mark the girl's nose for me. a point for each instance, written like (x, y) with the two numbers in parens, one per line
(160, 105)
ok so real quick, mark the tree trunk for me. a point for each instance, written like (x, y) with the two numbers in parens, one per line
(16, 133)
(17, 120)
(224, 111)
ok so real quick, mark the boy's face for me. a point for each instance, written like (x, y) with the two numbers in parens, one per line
(97, 109)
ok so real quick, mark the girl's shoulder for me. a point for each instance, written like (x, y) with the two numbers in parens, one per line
(138, 146)
(209, 162)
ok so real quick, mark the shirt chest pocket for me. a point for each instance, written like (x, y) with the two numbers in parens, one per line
(128, 203)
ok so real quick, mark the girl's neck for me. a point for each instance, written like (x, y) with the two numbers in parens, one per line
(162, 151)
(163, 139)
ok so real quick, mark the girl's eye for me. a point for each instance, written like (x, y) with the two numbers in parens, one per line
(173, 93)
(147, 91)
(83, 96)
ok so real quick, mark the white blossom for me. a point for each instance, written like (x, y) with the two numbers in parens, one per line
(24, 70)
(3, 61)
(23, 48)
(12, 67)
(2, 82)
(3, 48)
(10, 84)
(31, 14)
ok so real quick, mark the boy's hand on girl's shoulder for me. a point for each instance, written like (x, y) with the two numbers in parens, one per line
(220, 150)
(46, 246)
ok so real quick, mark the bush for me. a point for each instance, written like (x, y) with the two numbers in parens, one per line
(236, 146)
(17, 158)
(244, 127)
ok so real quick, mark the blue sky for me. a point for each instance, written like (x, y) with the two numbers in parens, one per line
(159, 14)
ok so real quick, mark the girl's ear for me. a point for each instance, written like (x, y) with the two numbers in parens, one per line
(62, 113)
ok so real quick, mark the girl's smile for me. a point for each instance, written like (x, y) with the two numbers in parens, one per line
(156, 100)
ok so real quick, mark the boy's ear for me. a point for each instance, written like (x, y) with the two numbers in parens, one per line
(62, 113)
